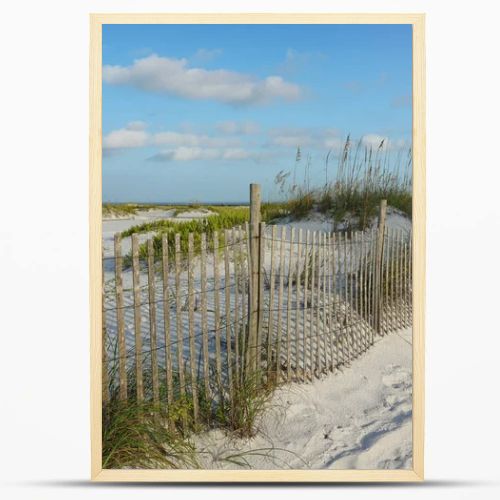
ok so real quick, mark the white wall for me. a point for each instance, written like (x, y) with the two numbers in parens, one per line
(44, 444)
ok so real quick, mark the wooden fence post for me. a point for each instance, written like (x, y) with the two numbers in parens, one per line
(253, 303)
(377, 296)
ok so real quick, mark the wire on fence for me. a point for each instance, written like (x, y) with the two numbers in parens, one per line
(197, 292)
(174, 342)
(181, 252)
(328, 245)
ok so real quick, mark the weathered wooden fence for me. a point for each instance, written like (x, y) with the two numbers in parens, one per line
(191, 319)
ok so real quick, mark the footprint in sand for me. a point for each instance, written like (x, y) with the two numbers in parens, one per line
(396, 378)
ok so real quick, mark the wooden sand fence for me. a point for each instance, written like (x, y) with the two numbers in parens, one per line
(186, 322)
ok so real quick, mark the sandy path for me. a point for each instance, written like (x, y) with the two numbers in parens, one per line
(358, 419)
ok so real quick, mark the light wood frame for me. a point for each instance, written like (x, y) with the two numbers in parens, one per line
(95, 178)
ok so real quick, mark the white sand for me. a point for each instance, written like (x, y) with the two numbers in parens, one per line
(113, 225)
(320, 222)
(358, 419)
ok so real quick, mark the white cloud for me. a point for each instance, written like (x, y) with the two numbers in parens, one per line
(173, 76)
(332, 138)
(374, 141)
(136, 125)
(293, 137)
(317, 138)
(185, 153)
(322, 139)
(237, 154)
(334, 142)
(132, 136)
(192, 140)
(241, 128)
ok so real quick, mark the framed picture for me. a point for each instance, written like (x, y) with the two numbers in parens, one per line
(257, 247)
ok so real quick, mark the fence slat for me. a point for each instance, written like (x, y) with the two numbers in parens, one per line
(405, 283)
(319, 304)
(326, 303)
(244, 297)
(120, 320)
(136, 273)
(390, 284)
(354, 288)
(227, 313)
(250, 333)
(280, 304)
(298, 371)
(362, 258)
(306, 307)
(347, 312)
(270, 325)
(204, 315)
(345, 333)
(152, 321)
(104, 353)
(218, 360)
(352, 305)
(334, 315)
(314, 304)
(166, 322)
(372, 284)
(410, 279)
(399, 280)
(236, 281)
(178, 320)
(378, 265)
(368, 258)
(192, 346)
(329, 310)
(260, 315)
(289, 307)
(385, 283)
(361, 298)
(343, 292)
(359, 290)
(364, 292)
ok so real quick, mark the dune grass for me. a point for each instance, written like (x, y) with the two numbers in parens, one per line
(364, 176)
(136, 435)
(142, 434)
(222, 218)
(119, 209)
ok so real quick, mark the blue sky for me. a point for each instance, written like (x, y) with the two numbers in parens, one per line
(197, 112)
